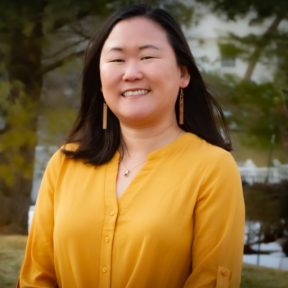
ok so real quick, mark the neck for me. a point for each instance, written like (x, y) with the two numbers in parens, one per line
(138, 143)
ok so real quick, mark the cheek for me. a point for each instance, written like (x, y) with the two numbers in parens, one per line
(109, 78)
(104, 72)
(108, 86)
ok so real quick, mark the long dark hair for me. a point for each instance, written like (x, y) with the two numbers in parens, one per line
(202, 115)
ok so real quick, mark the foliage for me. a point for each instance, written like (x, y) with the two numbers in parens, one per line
(238, 8)
(261, 113)
(258, 109)
(267, 204)
(28, 52)
(15, 114)
(230, 50)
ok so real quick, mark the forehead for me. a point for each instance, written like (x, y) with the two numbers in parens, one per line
(137, 30)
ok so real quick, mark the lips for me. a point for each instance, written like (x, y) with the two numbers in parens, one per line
(135, 92)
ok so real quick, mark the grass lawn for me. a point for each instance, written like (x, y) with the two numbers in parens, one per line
(12, 249)
(254, 277)
(11, 254)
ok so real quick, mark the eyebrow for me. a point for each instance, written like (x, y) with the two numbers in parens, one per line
(148, 46)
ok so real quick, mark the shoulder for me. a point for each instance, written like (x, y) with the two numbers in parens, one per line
(59, 158)
(216, 170)
(59, 165)
(202, 150)
(208, 160)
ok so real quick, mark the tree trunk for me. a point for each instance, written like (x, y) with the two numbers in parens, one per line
(264, 41)
(23, 68)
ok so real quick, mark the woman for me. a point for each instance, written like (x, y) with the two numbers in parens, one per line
(144, 193)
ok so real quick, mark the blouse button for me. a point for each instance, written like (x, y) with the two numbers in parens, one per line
(107, 239)
(112, 213)
(104, 269)
(224, 273)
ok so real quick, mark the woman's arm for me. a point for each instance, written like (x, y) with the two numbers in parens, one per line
(218, 228)
(37, 269)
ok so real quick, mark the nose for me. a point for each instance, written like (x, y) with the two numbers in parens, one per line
(132, 71)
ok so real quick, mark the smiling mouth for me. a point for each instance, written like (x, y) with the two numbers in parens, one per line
(135, 92)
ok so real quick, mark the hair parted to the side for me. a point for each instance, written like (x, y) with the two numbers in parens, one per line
(202, 115)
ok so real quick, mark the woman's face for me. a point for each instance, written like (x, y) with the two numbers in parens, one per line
(139, 73)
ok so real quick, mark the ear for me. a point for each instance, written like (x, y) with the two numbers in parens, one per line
(184, 77)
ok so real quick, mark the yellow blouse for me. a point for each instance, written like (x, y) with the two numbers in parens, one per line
(179, 223)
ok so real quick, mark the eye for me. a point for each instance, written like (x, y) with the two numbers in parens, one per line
(147, 57)
(116, 60)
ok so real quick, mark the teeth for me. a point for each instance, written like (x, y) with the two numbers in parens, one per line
(135, 92)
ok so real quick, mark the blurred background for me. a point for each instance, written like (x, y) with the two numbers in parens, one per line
(241, 48)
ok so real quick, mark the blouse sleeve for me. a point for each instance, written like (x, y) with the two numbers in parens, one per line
(37, 269)
(217, 247)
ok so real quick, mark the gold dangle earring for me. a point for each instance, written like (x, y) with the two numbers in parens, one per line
(181, 107)
(104, 116)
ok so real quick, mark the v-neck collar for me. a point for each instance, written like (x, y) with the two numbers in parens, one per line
(135, 185)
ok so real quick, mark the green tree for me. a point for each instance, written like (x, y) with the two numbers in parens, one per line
(26, 33)
(259, 109)
(276, 12)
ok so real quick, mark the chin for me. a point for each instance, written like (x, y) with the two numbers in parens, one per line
(136, 120)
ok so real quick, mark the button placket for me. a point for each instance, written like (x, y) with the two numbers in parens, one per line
(109, 234)
(107, 244)
(107, 239)
(109, 223)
